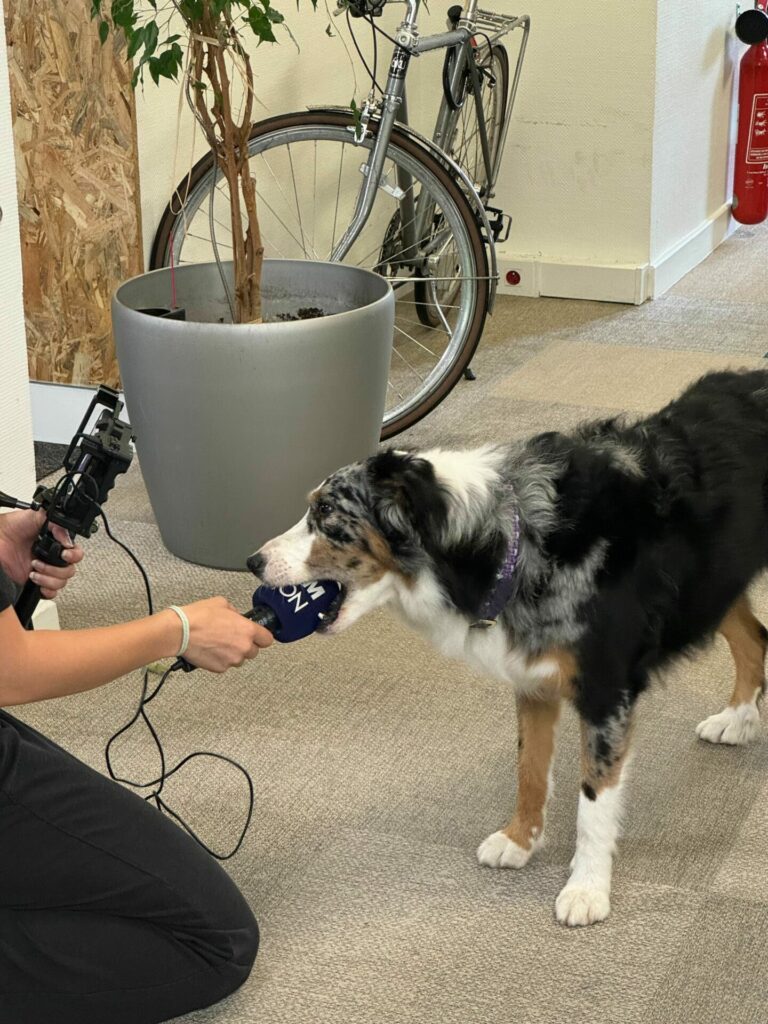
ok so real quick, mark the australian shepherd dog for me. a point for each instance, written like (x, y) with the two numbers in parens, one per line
(570, 566)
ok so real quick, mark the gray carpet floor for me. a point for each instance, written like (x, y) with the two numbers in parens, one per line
(379, 766)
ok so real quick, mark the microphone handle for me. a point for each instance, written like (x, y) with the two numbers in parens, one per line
(260, 613)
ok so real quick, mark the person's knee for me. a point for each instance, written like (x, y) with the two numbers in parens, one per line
(245, 941)
(233, 971)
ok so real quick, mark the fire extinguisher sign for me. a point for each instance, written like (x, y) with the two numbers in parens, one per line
(757, 152)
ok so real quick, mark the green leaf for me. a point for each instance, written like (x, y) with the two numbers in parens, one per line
(261, 25)
(123, 14)
(134, 42)
(275, 16)
(103, 31)
(153, 4)
(154, 69)
(150, 37)
(95, 8)
(191, 9)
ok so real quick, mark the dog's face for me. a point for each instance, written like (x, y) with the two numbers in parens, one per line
(365, 527)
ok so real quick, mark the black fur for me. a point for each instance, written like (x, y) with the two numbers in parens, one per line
(636, 537)
(678, 504)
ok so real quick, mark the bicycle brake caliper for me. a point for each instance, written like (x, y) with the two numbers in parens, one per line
(361, 129)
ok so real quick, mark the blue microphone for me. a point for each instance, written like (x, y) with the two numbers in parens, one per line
(293, 612)
(289, 613)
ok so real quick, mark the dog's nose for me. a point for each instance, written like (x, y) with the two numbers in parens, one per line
(256, 563)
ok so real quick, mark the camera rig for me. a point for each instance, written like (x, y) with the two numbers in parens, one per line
(93, 461)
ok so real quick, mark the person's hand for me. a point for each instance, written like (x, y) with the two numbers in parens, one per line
(18, 531)
(220, 637)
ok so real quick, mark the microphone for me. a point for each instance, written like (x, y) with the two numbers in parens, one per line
(289, 613)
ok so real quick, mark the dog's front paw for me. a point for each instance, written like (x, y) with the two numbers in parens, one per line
(578, 906)
(499, 851)
(735, 725)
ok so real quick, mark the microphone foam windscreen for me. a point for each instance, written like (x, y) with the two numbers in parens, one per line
(297, 608)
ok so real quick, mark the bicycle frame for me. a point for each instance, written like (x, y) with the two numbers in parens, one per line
(415, 216)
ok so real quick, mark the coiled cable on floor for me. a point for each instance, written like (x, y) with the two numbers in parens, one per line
(147, 696)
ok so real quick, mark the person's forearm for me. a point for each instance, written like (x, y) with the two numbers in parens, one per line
(50, 663)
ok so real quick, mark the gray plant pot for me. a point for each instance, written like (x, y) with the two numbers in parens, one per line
(235, 423)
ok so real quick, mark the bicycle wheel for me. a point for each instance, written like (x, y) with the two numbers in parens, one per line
(466, 149)
(308, 171)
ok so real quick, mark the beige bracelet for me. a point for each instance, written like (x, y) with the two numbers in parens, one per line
(184, 628)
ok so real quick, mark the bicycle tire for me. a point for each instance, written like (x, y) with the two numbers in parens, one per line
(500, 60)
(452, 372)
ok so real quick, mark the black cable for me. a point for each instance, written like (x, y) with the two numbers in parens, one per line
(375, 40)
(140, 713)
(371, 74)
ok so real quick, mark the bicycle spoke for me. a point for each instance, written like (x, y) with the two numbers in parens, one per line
(201, 238)
(277, 217)
(391, 385)
(288, 205)
(396, 351)
(296, 197)
(415, 342)
(336, 210)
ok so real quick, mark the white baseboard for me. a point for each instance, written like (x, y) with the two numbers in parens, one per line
(619, 282)
(556, 279)
(676, 262)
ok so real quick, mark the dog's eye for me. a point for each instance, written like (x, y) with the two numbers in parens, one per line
(323, 508)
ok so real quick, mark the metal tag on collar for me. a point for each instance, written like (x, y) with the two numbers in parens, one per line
(483, 624)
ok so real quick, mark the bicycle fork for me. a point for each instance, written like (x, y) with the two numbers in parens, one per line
(414, 217)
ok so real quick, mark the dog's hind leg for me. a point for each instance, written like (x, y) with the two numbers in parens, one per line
(747, 638)
(585, 898)
(512, 846)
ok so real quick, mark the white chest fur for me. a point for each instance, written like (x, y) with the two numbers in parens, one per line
(488, 650)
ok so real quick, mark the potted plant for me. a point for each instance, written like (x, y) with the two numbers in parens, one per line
(237, 417)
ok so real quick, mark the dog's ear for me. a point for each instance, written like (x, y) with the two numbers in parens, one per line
(408, 500)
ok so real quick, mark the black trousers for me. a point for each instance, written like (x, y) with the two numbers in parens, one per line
(109, 912)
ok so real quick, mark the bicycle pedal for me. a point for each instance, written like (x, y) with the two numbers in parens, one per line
(499, 222)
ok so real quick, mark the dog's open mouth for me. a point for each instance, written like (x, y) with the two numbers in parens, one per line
(327, 618)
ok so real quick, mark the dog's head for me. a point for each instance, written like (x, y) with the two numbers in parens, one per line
(368, 526)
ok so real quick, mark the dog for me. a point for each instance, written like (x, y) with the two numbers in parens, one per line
(572, 566)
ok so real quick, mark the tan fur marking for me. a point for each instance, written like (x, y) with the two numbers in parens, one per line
(329, 560)
(380, 550)
(536, 721)
(746, 639)
(567, 670)
(368, 565)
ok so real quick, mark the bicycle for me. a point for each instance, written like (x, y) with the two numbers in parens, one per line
(415, 209)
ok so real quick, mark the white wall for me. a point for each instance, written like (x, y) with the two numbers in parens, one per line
(618, 149)
(17, 475)
(577, 171)
(697, 55)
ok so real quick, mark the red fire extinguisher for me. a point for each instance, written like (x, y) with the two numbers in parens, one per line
(750, 180)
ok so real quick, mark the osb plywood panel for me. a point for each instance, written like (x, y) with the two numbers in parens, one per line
(75, 138)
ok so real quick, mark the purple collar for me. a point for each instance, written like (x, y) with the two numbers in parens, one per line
(505, 582)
